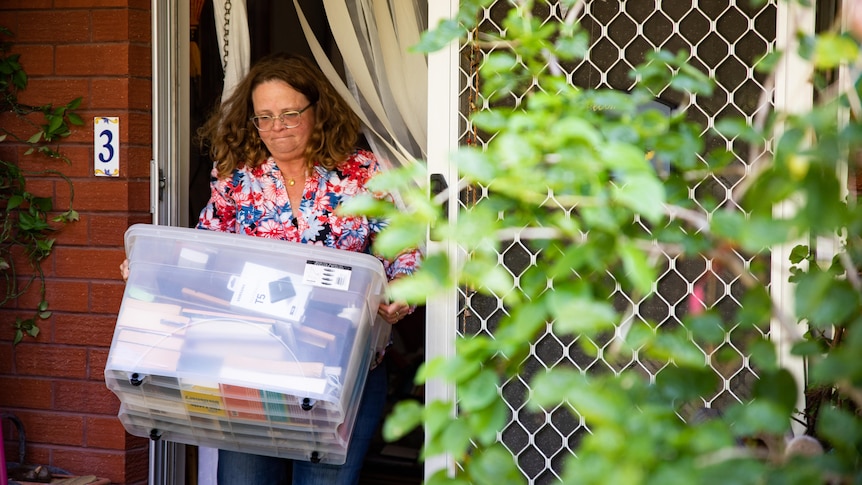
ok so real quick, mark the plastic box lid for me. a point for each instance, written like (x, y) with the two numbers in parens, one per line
(244, 343)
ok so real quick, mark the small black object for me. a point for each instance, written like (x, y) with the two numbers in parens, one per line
(22, 436)
(315, 457)
(155, 434)
(136, 379)
(307, 404)
(21, 470)
(281, 290)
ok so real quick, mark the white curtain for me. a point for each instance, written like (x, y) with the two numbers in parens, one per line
(386, 85)
(238, 43)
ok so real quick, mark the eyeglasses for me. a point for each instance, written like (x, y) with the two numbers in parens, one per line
(288, 119)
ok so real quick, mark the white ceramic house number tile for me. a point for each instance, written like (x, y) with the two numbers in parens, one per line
(106, 144)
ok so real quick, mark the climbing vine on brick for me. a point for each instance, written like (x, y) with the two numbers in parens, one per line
(30, 220)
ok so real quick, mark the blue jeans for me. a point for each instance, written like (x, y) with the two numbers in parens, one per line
(236, 468)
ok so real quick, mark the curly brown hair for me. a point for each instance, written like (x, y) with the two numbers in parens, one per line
(233, 140)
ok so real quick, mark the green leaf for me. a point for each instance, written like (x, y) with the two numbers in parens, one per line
(486, 274)
(754, 232)
(433, 40)
(364, 204)
(640, 335)
(756, 308)
(763, 355)
(404, 418)
(527, 320)
(554, 386)
(457, 368)
(454, 439)
(842, 363)
(799, 253)
(74, 104)
(438, 415)
(441, 477)
(68, 216)
(778, 387)
(495, 466)
(825, 300)
(19, 79)
(14, 202)
(643, 194)
(395, 239)
(833, 49)
(572, 47)
(579, 315)
(806, 348)
(35, 137)
(498, 62)
(758, 416)
(681, 384)
(690, 79)
(707, 327)
(769, 61)
(573, 130)
(598, 400)
(479, 391)
(487, 422)
(639, 271)
(732, 128)
(841, 429)
(54, 124)
(740, 471)
(75, 119)
(475, 165)
(491, 120)
(44, 204)
(417, 288)
(677, 347)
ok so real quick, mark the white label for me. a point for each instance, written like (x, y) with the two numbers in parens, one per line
(270, 291)
(327, 275)
(106, 144)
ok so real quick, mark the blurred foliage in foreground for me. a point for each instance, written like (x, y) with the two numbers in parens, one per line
(595, 167)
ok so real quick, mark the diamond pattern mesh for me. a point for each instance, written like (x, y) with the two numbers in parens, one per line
(724, 39)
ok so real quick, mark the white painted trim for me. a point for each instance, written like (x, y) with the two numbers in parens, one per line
(793, 93)
(441, 312)
(170, 120)
(171, 94)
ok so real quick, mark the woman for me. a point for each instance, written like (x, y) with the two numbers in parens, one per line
(284, 145)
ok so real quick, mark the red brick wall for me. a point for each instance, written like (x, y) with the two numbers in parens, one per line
(98, 50)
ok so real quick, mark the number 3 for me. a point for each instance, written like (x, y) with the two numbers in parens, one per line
(107, 134)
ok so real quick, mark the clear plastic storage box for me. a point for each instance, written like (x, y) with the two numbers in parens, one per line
(244, 343)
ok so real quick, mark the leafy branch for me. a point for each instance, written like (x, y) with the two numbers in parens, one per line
(580, 186)
(30, 220)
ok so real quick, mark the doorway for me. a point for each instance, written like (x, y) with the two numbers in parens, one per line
(197, 61)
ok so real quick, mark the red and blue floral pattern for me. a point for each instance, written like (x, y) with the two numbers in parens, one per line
(254, 201)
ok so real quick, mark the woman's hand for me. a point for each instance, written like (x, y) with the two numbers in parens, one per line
(393, 312)
(124, 269)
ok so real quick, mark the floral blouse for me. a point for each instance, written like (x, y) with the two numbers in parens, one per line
(254, 201)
